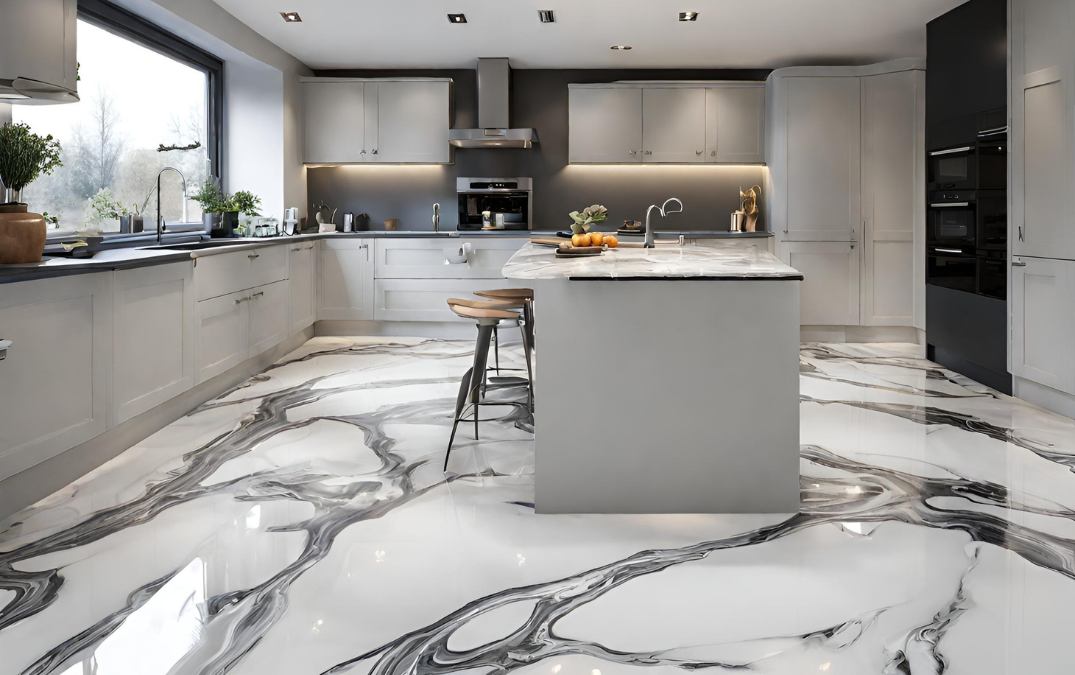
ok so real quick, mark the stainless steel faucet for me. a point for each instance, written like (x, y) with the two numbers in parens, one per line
(160, 216)
(664, 211)
(436, 216)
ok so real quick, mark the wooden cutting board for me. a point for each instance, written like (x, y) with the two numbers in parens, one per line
(548, 241)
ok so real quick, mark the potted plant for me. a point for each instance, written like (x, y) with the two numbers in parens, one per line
(213, 202)
(24, 156)
(221, 210)
(104, 207)
(244, 203)
(584, 220)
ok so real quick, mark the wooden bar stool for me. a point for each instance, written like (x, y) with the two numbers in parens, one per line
(488, 314)
(525, 298)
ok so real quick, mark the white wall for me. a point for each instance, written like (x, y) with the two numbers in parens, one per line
(263, 104)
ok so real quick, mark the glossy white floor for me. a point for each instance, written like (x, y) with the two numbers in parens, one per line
(302, 524)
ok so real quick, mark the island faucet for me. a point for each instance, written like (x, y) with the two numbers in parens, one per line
(664, 211)
(160, 216)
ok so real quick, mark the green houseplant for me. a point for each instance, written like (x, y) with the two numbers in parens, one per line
(24, 156)
(583, 220)
(221, 210)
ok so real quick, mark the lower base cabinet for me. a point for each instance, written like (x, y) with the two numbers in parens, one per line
(238, 326)
(830, 288)
(1043, 321)
(268, 308)
(345, 282)
(55, 381)
(303, 282)
(153, 337)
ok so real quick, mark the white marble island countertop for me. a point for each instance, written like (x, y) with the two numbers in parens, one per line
(664, 262)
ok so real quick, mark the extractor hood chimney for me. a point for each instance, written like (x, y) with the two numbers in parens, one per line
(494, 81)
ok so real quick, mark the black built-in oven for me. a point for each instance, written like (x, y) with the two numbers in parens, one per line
(952, 221)
(982, 165)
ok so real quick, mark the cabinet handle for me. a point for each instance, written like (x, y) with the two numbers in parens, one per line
(257, 295)
(699, 152)
(647, 152)
(375, 151)
(297, 249)
(632, 152)
(363, 151)
(240, 301)
(712, 153)
(1018, 263)
(1021, 238)
(253, 255)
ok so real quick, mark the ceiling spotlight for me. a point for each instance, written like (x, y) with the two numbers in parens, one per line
(291, 17)
(688, 16)
(621, 48)
(546, 16)
(457, 18)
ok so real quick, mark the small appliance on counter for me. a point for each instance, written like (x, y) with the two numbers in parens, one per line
(495, 203)
(291, 220)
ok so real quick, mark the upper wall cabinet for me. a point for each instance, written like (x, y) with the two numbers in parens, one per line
(666, 123)
(37, 51)
(350, 121)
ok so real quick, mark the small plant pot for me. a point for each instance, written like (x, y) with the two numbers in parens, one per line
(22, 236)
(225, 226)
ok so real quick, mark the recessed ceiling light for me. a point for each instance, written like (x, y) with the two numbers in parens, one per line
(457, 18)
(291, 17)
(621, 48)
(546, 16)
(688, 16)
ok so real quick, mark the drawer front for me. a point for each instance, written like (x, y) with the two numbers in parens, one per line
(268, 316)
(267, 265)
(217, 275)
(424, 299)
(444, 258)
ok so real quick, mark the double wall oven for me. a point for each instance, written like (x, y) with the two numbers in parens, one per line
(966, 222)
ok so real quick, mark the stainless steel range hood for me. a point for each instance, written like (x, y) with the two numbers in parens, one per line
(494, 80)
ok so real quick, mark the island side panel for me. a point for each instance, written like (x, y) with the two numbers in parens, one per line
(667, 396)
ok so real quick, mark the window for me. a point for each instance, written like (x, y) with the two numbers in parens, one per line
(148, 100)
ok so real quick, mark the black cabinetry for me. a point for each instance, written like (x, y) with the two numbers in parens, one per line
(966, 73)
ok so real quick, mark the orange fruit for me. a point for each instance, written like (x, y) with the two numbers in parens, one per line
(611, 240)
(596, 238)
(580, 240)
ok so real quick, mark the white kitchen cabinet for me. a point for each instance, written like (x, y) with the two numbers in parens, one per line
(892, 197)
(345, 289)
(222, 329)
(335, 121)
(480, 257)
(303, 278)
(673, 125)
(830, 288)
(604, 124)
(735, 123)
(153, 337)
(268, 309)
(219, 274)
(424, 299)
(1043, 321)
(351, 121)
(821, 187)
(412, 122)
(56, 377)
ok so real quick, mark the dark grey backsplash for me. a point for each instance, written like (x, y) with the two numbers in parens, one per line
(539, 100)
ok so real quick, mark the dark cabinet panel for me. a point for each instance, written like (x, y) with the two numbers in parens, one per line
(966, 72)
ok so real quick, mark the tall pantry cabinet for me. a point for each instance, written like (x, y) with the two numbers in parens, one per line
(845, 149)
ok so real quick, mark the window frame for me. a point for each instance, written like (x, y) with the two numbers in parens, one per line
(132, 27)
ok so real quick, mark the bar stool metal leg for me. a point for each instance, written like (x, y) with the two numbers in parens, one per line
(470, 387)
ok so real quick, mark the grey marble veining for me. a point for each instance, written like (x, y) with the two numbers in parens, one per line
(300, 524)
(663, 262)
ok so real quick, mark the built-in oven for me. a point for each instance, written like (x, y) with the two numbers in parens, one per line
(951, 267)
(952, 221)
(495, 203)
(953, 168)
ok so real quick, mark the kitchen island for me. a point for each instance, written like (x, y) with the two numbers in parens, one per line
(667, 380)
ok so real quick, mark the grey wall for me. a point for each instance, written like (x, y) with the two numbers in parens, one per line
(539, 100)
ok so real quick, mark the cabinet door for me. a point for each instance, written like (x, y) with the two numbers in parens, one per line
(346, 280)
(822, 159)
(153, 344)
(55, 379)
(268, 310)
(830, 288)
(303, 278)
(1043, 321)
(604, 125)
(444, 258)
(673, 125)
(735, 124)
(412, 122)
(222, 329)
(892, 197)
(371, 114)
(335, 122)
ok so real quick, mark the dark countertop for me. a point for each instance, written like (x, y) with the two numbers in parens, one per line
(145, 255)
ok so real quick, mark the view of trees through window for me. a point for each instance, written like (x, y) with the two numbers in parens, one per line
(140, 111)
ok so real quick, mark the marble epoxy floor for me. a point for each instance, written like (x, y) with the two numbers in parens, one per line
(301, 524)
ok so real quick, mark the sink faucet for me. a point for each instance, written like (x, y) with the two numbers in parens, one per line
(664, 211)
(160, 216)
(436, 216)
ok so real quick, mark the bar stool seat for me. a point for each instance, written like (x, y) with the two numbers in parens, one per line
(487, 314)
(507, 293)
